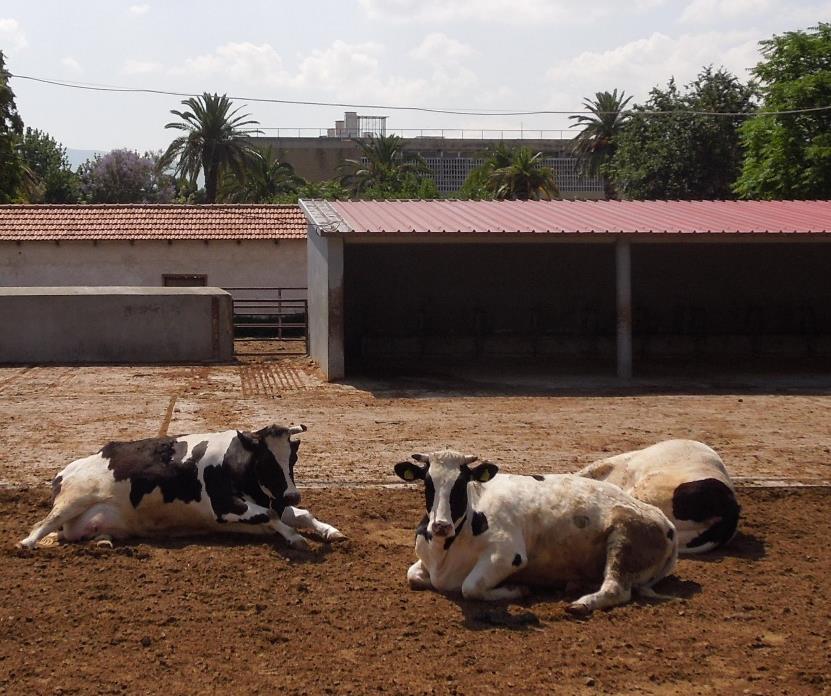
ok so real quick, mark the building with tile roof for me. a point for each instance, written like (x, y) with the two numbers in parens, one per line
(153, 245)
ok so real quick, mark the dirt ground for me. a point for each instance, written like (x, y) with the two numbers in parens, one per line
(215, 615)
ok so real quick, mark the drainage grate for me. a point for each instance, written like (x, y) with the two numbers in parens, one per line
(271, 379)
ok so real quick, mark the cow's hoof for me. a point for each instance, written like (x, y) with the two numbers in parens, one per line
(49, 540)
(25, 546)
(334, 535)
(299, 544)
(578, 609)
(104, 543)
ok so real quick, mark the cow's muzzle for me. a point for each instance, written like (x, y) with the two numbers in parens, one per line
(442, 529)
(292, 498)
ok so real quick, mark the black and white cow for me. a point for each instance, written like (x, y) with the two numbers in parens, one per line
(687, 480)
(482, 530)
(214, 482)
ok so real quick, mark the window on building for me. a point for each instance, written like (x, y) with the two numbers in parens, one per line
(184, 280)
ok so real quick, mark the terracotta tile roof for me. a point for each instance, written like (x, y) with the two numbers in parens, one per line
(569, 217)
(143, 222)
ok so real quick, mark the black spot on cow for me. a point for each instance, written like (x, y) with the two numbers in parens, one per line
(56, 486)
(479, 523)
(538, 477)
(429, 492)
(517, 561)
(422, 528)
(261, 518)
(670, 534)
(219, 485)
(458, 495)
(703, 500)
(157, 463)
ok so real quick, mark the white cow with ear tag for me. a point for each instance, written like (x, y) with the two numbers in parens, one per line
(482, 530)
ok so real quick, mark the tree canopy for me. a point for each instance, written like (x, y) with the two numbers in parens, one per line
(124, 176)
(789, 155)
(216, 139)
(11, 130)
(386, 171)
(48, 175)
(596, 143)
(676, 155)
(511, 173)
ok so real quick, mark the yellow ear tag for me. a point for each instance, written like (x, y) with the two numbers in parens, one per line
(485, 476)
(409, 475)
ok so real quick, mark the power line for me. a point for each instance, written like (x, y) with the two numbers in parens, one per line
(423, 109)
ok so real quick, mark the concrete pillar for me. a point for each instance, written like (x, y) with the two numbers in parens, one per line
(325, 295)
(623, 267)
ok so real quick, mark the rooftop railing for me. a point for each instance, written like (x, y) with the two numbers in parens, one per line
(434, 133)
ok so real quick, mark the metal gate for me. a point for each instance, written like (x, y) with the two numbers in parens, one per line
(277, 315)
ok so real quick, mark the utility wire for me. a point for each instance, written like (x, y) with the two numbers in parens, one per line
(423, 109)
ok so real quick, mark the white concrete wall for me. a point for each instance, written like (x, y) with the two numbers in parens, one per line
(325, 264)
(115, 325)
(248, 263)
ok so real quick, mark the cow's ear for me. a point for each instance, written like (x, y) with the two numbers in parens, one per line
(409, 471)
(248, 440)
(484, 472)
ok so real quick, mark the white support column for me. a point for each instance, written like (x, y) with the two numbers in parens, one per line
(623, 268)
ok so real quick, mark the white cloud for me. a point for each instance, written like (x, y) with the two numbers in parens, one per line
(12, 37)
(725, 11)
(639, 65)
(438, 48)
(242, 62)
(140, 67)
(500, 11)
(139, 10)
(72, 64)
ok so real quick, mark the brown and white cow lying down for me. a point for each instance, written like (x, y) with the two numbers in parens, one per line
(687, 480)
(482, 530)
(215, 482)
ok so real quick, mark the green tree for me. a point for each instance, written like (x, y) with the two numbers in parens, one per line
(477, 183)
(525, 178)
(216, 139)
(11, 130)
(596, 143)
(266, 180)
(51, 179)
(789, 155)
(677, 155)
(385, 171)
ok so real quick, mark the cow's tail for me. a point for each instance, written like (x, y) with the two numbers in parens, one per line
(704, 500)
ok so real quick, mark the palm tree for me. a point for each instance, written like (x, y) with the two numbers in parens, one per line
(266, 178)
(383, 166)
(476, 184)
(525, 178)
(595, 144)
(215, 139)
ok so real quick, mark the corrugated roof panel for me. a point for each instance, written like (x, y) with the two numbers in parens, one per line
(584, 217)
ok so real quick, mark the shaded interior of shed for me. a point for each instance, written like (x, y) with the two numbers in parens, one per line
(555, 303)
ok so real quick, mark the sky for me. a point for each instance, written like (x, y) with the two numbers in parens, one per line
(446, 54)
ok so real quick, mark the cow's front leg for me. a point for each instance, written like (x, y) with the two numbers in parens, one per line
(490, 571)
(256, 518)
(303, 519)
(418, 578)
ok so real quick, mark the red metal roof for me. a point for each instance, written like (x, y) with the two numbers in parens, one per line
(147, 222)
(579, 217)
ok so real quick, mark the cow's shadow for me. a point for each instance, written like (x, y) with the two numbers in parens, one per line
(518, 615)
(141, 547)
(748, 547)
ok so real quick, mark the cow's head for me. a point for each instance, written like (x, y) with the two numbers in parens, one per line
(446, 475)
(274, 454)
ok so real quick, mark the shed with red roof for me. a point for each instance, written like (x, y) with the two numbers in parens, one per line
(607, 282)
